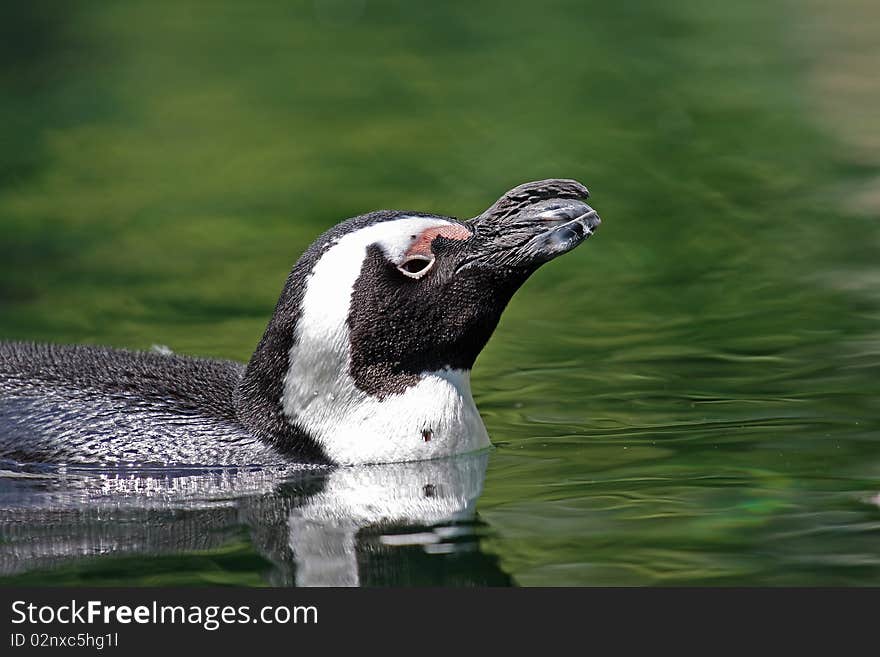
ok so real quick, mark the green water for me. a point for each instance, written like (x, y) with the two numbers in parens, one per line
(689, 398)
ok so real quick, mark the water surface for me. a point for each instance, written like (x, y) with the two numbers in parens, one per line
(689, 398)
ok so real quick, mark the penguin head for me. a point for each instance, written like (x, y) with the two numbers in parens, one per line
(382, 319)
(431, 290)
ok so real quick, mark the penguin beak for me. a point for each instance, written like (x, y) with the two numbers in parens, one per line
(558, 229)
(534, 235)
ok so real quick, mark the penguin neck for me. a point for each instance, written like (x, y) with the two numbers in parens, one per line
(298, 392)
(258, 398)
(432, 418)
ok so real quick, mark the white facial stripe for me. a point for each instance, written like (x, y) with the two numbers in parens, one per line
(320, 395)
(396, 237)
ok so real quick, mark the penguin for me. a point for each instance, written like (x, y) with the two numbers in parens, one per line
(366, 358)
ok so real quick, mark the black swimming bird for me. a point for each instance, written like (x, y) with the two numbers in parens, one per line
(366, 359)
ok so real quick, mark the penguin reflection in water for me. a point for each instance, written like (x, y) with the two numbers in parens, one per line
(366, 358)
(412, 523)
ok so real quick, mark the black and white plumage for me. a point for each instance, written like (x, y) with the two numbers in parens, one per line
(366, 358)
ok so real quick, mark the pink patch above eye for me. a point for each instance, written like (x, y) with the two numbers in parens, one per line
(422, 243)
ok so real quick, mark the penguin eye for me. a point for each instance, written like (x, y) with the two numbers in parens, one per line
(416, 266)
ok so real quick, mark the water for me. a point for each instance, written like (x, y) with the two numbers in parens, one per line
(689, 398)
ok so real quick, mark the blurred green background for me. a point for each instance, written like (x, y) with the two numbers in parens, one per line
(690, 398)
